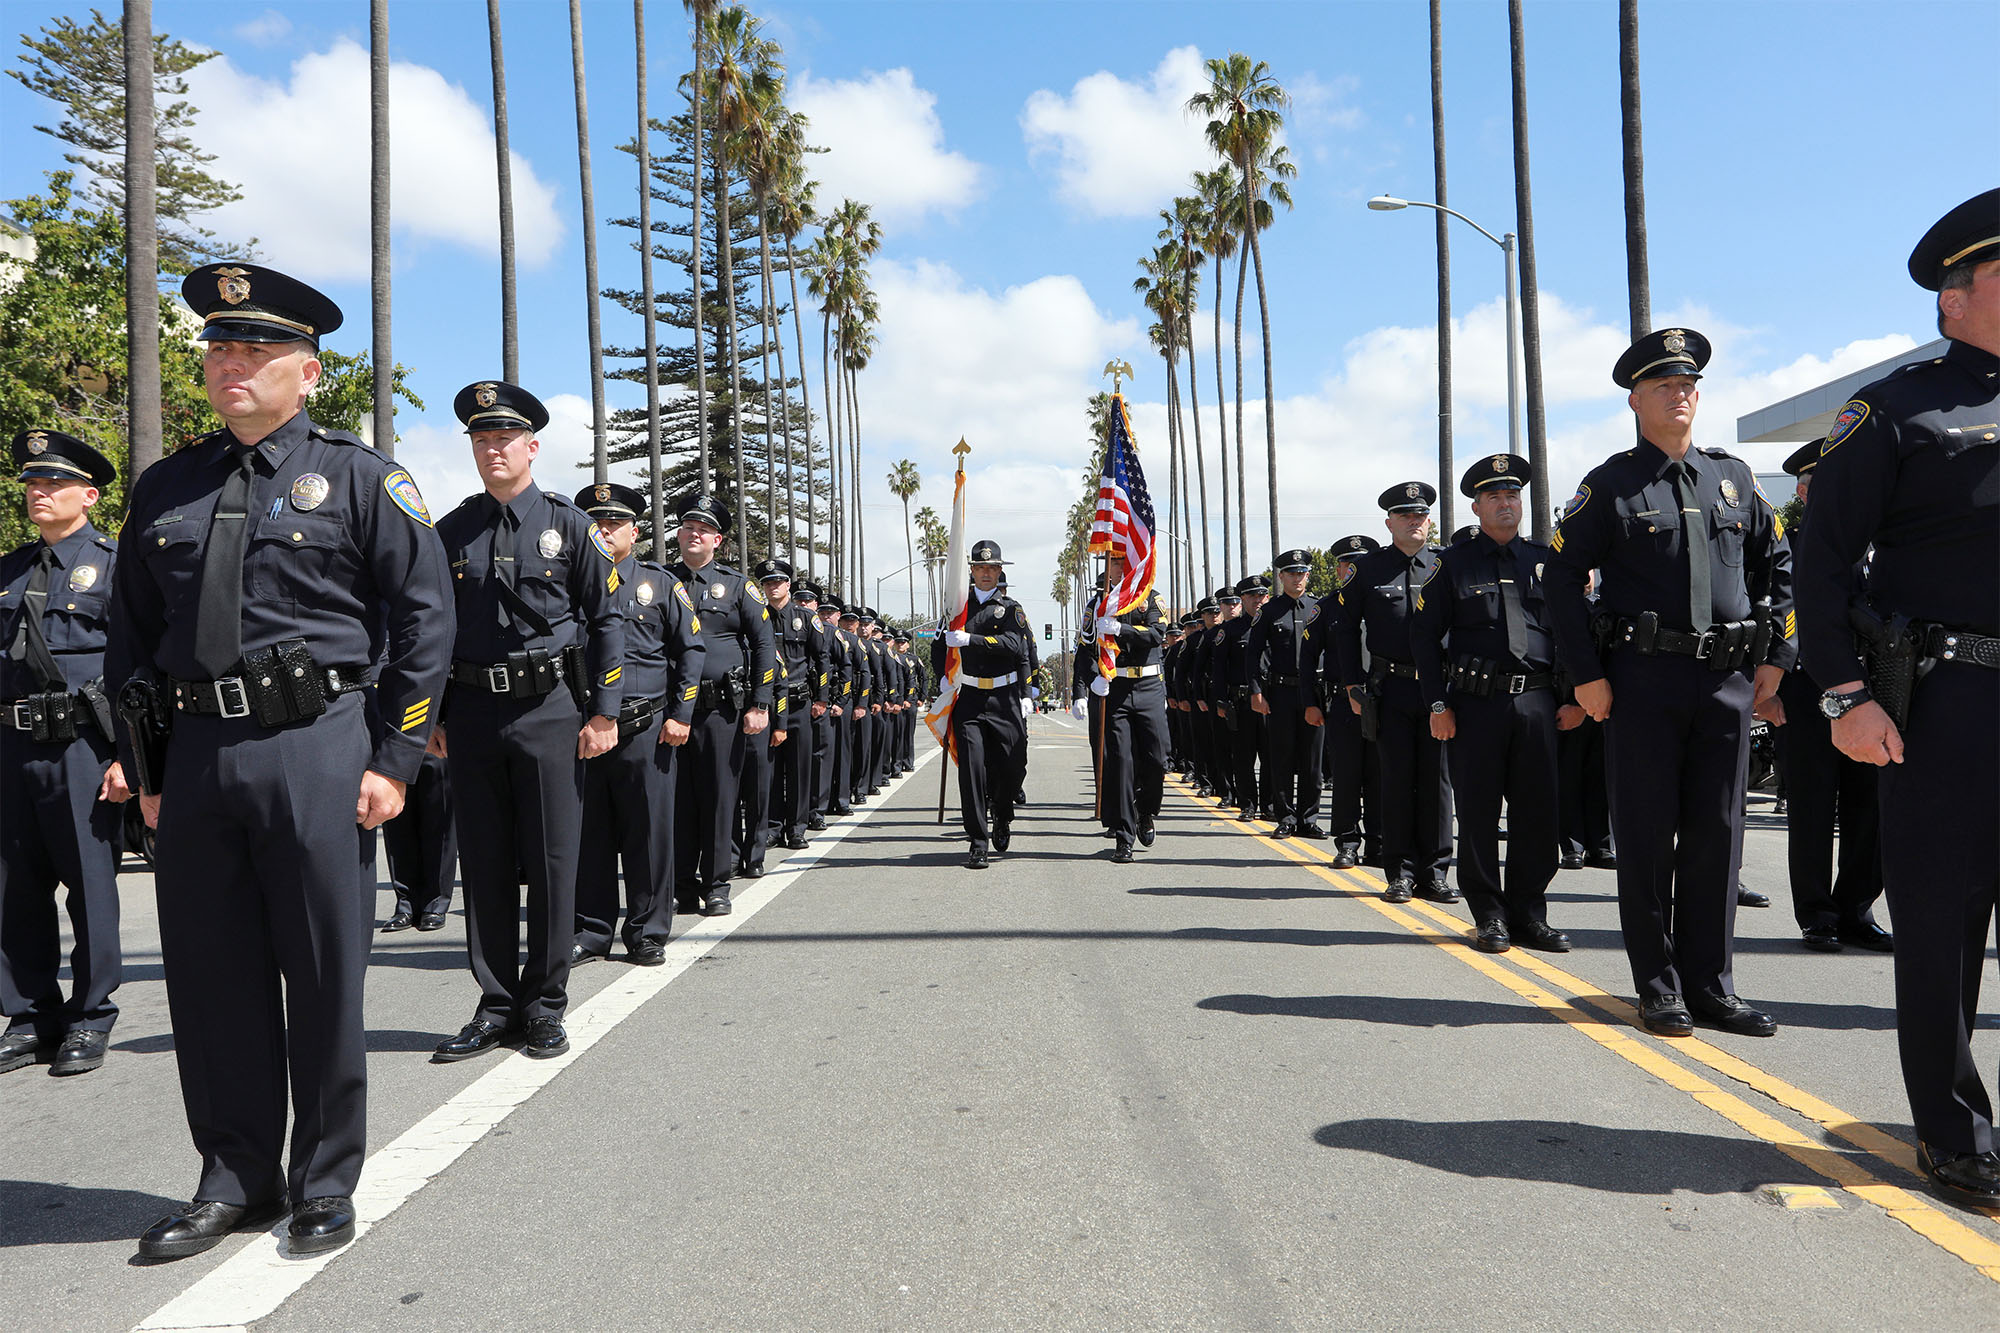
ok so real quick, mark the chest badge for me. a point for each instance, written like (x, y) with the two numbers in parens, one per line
(549, 543)
(83, 578)
(718, 591)
(644, 593)
(797, 624)
(309, 492)
(1729, 495)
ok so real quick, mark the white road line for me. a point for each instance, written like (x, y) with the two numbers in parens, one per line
(261, 1275)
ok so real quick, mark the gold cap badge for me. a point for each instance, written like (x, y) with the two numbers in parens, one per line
(486, 395)
(1675, 341)
(38, 442)
(233, 284)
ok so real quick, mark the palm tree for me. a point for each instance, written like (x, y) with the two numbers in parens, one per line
(794, 203)
(1185, 227)
(859, 350)
(600, 468)
(1217, 191)
(1531, 318)
(1637, 282)
(653, 477)
(378, 225)
(510, 340)
(935, 542)
(1161, 287)
(904, 483)
(703, 13)
(1246, 109)
(142, 248)
(855, 238)
(764, 154)
(824, 262)
(1445, 466)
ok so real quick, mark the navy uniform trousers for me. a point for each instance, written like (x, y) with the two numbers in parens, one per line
(517, 795)
(791, 772)
(1505, 748)
(988, 727)
(1349, 765)
(1586, 799)
(265, 927)
(1416, 802)
(1821, 784)
(1291, 756)
(825, 757)
(712, 765)
(422, 842)
(55, 832)
(1249, 741)
(1677, 752)
(1135, 753)
(751, 830)
(628, 816)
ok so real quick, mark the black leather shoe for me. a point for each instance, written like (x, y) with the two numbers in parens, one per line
(23, 1046)
(1399, 890)
(817, 824)
(1345, 859)
(1541, 935)
(1121, 855)
(1147, 834)
(1731, 1014)
(1971, 1177)
(80, 1053)
(430, 921)
(749, 871)
(1821, 939)
(401, 921)
(1020, 802)
(1666, 1016)
(1308, 829)
(579, 956)
(841, 811)
(717, 903)
(647, 953)
(1435, 892)
(1493, 938)
(546, 1039)
(1601, 861)
(1751, 898)
(976, 858)
(1286, 827)
(1571, 861)
(203, 1225)
(320, 1225)
(797, 843)
(1003, 837)
(1781, 806)
(475, 1038)
(1867, 935)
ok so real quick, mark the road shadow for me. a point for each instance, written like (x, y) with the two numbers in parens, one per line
(1233, 892)
(37, 1212)
(1400, 1010)
(444, 959)
(379, 1040)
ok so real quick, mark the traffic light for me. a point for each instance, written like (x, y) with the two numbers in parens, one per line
(1048, 631)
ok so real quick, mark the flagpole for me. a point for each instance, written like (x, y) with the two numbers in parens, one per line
(954, 552)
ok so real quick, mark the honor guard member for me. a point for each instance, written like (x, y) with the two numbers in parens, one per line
(1382, 690)
(1087, 696)
(802, 665)
(267, 565)
(888, 692)
(1586, 792)
(1492, 698)
(61, 785)
(1912, 466)
(986, 716)
(1135, 719)
(1237, 683)
(1687, 547)
(1030, 692)
(1169, 656)
(854, 733)
(1348, 758)
(1221, 728)
(1826, 787)
(537, 682)
(1285, 648)
(732, 706)
(628, 791)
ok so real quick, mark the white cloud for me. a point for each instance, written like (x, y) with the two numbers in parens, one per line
(299, 151)
(886, 146)
(267, 29)
(1121, 148)
(1322, 104)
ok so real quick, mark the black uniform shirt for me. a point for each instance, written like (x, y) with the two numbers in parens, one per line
(663, 646)
(1465, 600)
(802, 657)
(735, 625)
(1286, 643)
(1379, 600)
(1000, 635)
(75, 618)
(1141, 632)
(1230, 668)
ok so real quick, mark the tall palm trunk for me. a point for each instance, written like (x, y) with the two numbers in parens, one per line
(854, 446)
(1638, 285)
(1173, 517)
(1187, 523)
(1242, 466)
(654, 481)
(599, 466)
(805, 400)
(694, 258)
(503, 160)
(1194, 384)
(1270, 394)
(1531, 319)
(1221, 396)
(379, 352)
(769, 289)
(1174, 414)
(826, 387)
(725, 263)
(910, 554)
(1446, 488)
(142, 249)
(777, 335)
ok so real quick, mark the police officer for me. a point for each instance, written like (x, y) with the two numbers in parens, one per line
(61, 786)
(422, 844)
(1176, 721)
(986, 715)
(1209, 779)
(1087, 695)
(628, 791)
(1687, 547)
(732, 706)
(1383, 691)
(802, 661)
(1912, 466)
(267, 565)
(816, 725)
(1237, 684)
(1826, 787)
(1348, 759)
(1492, 696)
(1285, 648)
(1135, 718)
(830, 796)
(1222, 724)
(861, 678)
(868, 707)
(537, 684)
(913, 701)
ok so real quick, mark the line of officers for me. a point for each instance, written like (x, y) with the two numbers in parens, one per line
(282, 654)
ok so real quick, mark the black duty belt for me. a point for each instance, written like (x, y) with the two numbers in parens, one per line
(1957, 645)
(1285, 680)
(51, 715)
(237, 696)
(635, 716)
(1382, 666)
(529, 674)
(1724, 646)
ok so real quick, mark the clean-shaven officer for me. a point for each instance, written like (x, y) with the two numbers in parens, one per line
(986, 715)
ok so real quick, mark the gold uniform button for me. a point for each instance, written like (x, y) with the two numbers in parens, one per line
(298, 536)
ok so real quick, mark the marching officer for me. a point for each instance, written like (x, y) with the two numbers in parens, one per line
(267, 566)
(1235, 664)
(1688, 548)
(1493, 704)
(537, 682)
(802, 661)
(1383, 691)
(1135, 719)
(61, 785)
(1348, 758)
(986, 716)
(1912, 466)
(732, 704)
(1285, 648)
(628, 791)
(1228, 722)
(1087, 694)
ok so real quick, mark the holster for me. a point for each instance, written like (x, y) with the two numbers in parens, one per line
(736, 683)
(634, 715)
(99, 704)
(1760, 637)
(149, 723)
(1603, 631)
(1646, 632)
(1890, 656)
(577, 673)
(283, 683)
(1371, 712)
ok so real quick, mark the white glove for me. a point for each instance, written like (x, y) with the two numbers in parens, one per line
(956, 638)
(1080, 710)
(1108, 627)
(1099, 686)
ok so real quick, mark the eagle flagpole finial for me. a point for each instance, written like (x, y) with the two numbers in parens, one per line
(1119, 371)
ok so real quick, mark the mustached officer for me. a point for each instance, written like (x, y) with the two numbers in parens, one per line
(1135, 718)
(1348, 760)
(986, 719)
(1492, 696)
(1285, 649)
(268, 568)
(537, 682)
(628, 791)
(61, 786)
(802, 662)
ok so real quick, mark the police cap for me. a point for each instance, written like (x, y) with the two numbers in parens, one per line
(498, 405)
(985, 553)
(1803, 459)
(1225, 594)
(699, 507)
(1661, 353)
(1349, 547)
(1470, 530)
(1206, 606)
(250, 304)
(1969, 233)
(53, 456)
(1408, 497)
(1297, 560)
(866, 615)
(1256, 583)
(805, 590)
(1496, 472)
(773, 571)
(607, 499)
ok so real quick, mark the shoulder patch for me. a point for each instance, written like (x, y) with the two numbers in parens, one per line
(1845, 424)
(1577, 501)
(1021, 617)
(597, 540)
(681, 596)
(756, 591)
(403, 493)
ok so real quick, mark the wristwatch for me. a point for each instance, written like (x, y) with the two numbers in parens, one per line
(1440, 707)
(1840, 705)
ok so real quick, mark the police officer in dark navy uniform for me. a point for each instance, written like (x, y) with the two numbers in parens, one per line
(831, 725)
(867, 705)
(1492, 693)
(1225, 724)
(1211, 777)
(914, 699)
(422, 846)
(537, 682)
(1285, 648)
(61, 786)
(802, 663)
(1690, 605)
(628, 791)
(854, 734)
(992, 653)
(1348, 760)
(1382, 688)
(1237, 683)
(1135, 718)
(265, 568)
(1912, 466)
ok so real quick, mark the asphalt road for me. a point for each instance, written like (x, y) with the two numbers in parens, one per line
(1225, 1087)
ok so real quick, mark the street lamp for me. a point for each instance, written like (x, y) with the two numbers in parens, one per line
(1389, 203)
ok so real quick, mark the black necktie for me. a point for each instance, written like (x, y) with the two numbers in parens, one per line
(1510, 606)
(503, 560)
(1694, 536)
(218, 625)
(31, 645)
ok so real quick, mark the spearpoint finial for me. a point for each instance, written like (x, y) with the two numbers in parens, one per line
(1119, 371)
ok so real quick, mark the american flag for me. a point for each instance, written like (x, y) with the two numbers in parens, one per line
(1123, 526)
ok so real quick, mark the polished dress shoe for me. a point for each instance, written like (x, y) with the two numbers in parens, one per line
(23, 1046)
(401, 921)
(1731, 1014)
(1003, 837)
(817, 824)
(647, 953)
(1345, 859)
(1571, 861)
(1781, 806)
(1971, 1177)
(320, 1225)
(579, 956)
(1399, 890)
(1601, 860)
(717, 903)
(430, 921)
(203, 1226)
(1541, 935)
(797, 843)
(1308, 829)
(976, 858)
(1751, 898)
(80, 1053)
(1438, 893)
(1493, 938)
(1121, 855)
(1286, 827)
(749, 871)
(1020, 802)
(1821, 939)
(1147, 834)
(546, 1039)
(1666, 1016)
(475, 1038)
(1867, 935)
(841, 811)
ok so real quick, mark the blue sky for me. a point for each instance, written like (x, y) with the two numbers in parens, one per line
(1018, 153)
